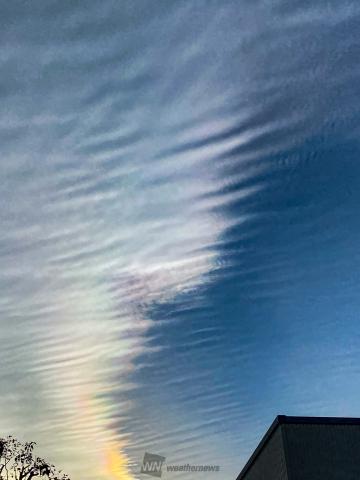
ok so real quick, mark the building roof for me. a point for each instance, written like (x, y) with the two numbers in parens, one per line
(284, 419)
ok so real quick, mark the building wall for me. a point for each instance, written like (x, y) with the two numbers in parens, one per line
(270, 464)
(322, 452)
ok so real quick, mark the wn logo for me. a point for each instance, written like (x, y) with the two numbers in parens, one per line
(152, 464)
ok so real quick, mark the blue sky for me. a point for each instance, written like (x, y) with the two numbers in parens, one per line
(179, 226)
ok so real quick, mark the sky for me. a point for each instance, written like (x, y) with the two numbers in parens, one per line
(179, 242)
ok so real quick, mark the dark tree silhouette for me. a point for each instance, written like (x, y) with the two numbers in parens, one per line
(18, 462)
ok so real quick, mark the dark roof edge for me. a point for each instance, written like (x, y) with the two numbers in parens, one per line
(319, 420)
(284, 419)
(259, 448)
